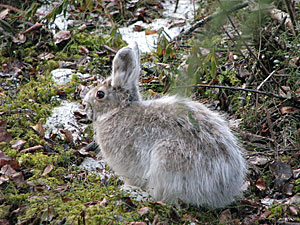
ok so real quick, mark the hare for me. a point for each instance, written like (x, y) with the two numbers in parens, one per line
(172, 147)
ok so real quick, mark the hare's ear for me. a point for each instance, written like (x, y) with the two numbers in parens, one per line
(126, 68)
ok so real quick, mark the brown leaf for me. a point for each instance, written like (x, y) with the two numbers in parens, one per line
(45, 56)
(265, 215)
(104, 202)
(143, 211)
(18, 144)
(137, 223)
(18, 179)
(84, 50)
(62, 36)
(61, 187)
(3, 179)
(7, 170)
(138, 28)
(5, 160)
(250, 202)
(284, 91)
(32, 149)
(293, 210)
(20, 38)
(288, 110)
(68, 135)
(150, 32)
(47, 170)
(158, 203)
(296, 173)
(66, 199)
(4, 13)
(4, 135)
(282, 172)
(91, 203)
(36, 26)
(288, 189)
(38, 128)
(225, 216)
(258, 160)
(260, 184)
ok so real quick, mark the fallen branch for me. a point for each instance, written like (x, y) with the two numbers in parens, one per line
(236, 89)
(11, 8)
(209, 18)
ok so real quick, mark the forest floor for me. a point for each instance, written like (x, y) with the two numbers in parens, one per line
(241, 59)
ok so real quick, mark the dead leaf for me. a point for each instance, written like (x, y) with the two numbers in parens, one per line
(32, 149)
(36, 26)
(250, 202)
(18, 179)
(288, 110)
(68, 135)
(284, 91)
(62, 36)
(4, 135)
(150, 32)
(282, 172)
(4, 13)
(38, 128)
(61, 187)
(258, 160)
(104, 202)
(18, 144)
(288, 189)
(143, 211)
(225, 216)
(7, 170)
(45, 56)
(265, 215)
(3, 180)
(84, 50)
(296, 173)
(20, 38)
(158, 203)
(260, 184)
(66, 199)
(138, 28)
(293, 210)
(177, 24)
(6, 160)
(137, 223)
(91, 203)
(47, 170)
(294, 200)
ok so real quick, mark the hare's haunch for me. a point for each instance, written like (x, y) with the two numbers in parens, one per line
(171, 147)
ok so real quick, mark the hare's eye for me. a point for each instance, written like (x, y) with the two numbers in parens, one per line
(100, 94)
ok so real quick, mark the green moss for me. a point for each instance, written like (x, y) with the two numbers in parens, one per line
(4, 211)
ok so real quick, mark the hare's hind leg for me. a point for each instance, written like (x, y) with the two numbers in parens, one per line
(167, 173)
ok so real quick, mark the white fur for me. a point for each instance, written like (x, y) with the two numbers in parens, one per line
(172, 147)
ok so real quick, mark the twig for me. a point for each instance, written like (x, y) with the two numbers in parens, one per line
(236, 89)
(106, 12)
(109, 49)
(176, 6)
(209, 18)
(265, 80)
(11, 8)
(289, 8)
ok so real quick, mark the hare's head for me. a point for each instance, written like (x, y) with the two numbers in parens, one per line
(120, 88)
